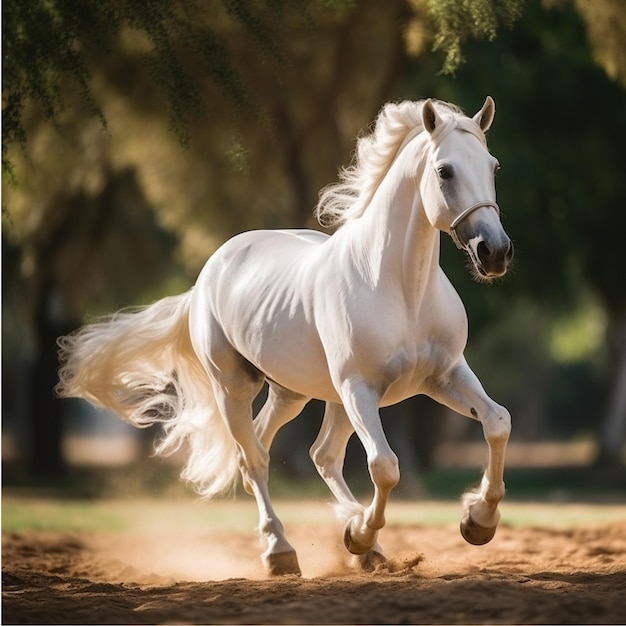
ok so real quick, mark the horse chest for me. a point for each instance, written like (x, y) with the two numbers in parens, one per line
(405, 373)
(426, 349)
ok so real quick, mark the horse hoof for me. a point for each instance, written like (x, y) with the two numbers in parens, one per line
(369, 561)
(282, 564)
(474, 533)
(352, 546)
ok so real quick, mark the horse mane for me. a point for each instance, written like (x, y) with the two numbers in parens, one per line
(375, 151)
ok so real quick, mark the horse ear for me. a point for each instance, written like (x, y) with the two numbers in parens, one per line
(484, 117)
(430, 117)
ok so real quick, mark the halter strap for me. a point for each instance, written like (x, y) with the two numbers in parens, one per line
(459, 218)
(466, 125)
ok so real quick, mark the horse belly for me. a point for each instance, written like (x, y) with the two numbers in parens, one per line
(263, 305)
(298, 363)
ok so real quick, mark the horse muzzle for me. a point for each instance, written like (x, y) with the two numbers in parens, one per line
(489, 247)
(490, 255)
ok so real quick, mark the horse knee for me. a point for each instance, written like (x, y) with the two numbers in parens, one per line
(385, 471)
(497, 427)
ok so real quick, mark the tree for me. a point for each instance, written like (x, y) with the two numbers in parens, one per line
(605, 21)
(47, 43)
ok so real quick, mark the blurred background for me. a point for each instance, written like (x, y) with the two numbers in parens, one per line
(138, 138)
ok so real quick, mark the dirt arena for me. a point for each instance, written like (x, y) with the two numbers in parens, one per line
(167, 570)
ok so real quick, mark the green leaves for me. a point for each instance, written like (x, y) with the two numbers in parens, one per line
(456, 20)
(50, 46)
(41, 48)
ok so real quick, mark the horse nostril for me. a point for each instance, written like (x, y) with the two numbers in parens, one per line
(510, 252)
(483, 251)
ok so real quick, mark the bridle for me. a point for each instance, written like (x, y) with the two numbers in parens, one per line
(470, 127)
(459, 218)
(440, 134)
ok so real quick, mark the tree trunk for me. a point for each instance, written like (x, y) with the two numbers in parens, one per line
(46, 411)
(611, 438)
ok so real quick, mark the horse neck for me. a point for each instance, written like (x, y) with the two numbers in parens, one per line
(393, 241)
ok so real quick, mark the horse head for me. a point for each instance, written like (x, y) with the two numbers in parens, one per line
(458, 187)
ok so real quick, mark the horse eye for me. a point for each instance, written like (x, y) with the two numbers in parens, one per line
(445, 172)
(496, 168)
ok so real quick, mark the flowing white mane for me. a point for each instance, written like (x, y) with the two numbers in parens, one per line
(375, 151)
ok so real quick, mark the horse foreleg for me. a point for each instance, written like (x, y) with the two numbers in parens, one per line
(328, 454)
(361, 405)
(462, 392)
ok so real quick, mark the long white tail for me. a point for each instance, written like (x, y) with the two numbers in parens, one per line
(141, 364)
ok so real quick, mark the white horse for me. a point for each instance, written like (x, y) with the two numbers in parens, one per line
(361, 319)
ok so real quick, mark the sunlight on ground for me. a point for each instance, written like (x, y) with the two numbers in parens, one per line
(152, 541)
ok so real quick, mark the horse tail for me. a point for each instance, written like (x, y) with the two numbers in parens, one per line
(140, 363)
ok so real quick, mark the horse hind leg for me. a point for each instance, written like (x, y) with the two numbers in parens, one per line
(235, 385)
(328, 454)
(280, 407)
(279, 557)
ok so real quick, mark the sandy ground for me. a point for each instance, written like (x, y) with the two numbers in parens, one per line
(164, 574)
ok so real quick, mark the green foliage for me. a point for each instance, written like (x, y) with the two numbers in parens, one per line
(606, 30)
(41, 46)
(458, 20)
(558, 133)
(52, 45)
